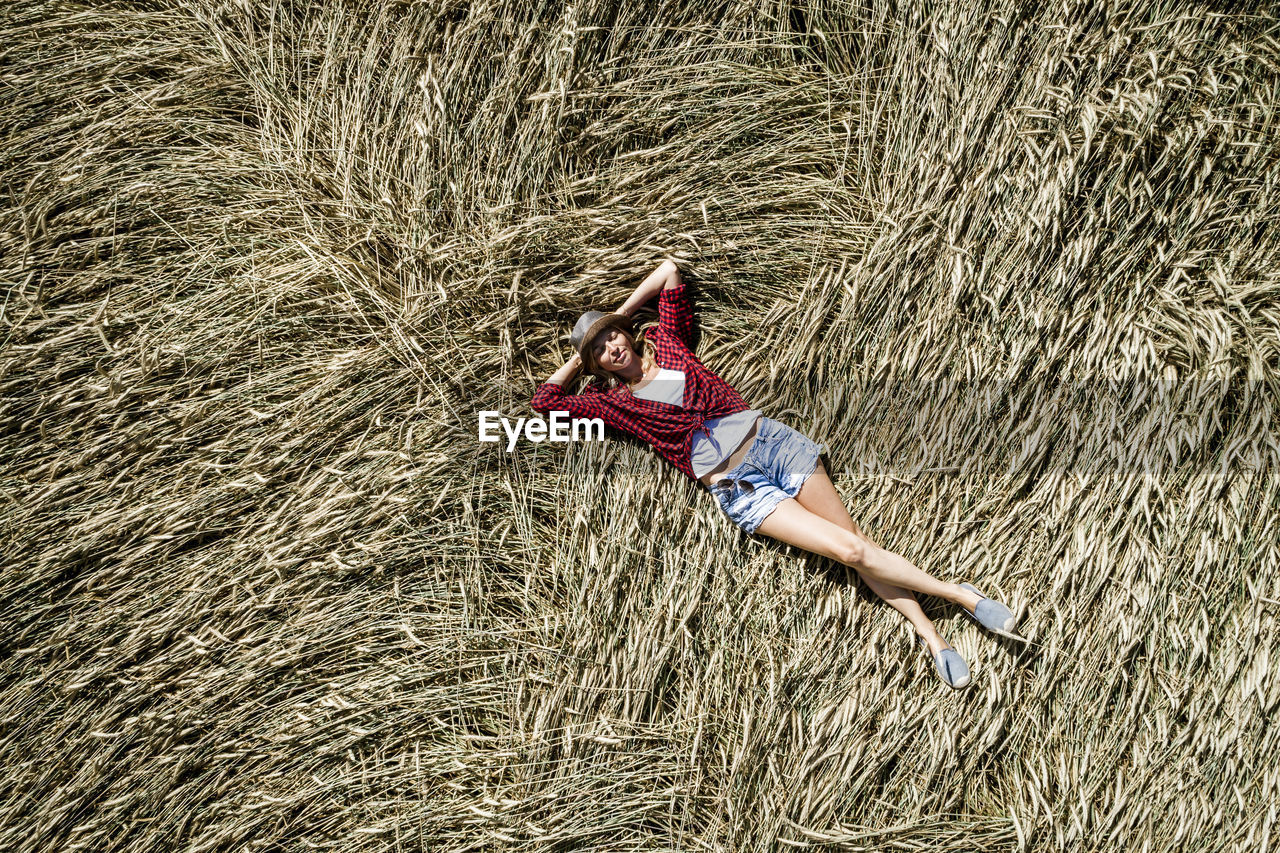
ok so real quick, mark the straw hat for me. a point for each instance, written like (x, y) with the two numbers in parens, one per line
(591, 324)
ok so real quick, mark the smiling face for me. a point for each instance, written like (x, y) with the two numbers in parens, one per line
(614, 352)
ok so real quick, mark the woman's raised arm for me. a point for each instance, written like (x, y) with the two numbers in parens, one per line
(567, 371)
(667, 275)
(551, 396)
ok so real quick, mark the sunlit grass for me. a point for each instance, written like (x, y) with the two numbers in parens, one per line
(263, 588)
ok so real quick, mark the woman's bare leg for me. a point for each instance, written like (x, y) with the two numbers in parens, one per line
(792, 523)
(795, 525)
(819, 496)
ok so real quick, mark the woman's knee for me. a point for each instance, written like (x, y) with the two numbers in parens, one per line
(853, 550)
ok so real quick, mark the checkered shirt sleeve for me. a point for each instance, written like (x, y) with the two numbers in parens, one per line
(675, 315)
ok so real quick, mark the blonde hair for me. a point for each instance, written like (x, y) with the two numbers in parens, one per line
(638, 342)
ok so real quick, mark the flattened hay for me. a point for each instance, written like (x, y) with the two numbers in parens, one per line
(262, 587)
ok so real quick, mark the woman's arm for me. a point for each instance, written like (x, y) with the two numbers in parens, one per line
(567, 371)
(666, 276)
(551, 396)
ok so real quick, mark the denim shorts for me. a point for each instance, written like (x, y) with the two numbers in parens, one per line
(775, 467)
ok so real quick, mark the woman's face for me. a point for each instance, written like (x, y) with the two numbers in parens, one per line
(613, 351)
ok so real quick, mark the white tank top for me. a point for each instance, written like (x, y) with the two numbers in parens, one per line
(706, 451)
(666, 387)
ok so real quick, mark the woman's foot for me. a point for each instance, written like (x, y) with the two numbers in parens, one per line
(966, 596)
(988, 613)
(951, 668)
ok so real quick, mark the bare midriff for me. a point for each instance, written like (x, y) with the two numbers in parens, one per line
(734, 459)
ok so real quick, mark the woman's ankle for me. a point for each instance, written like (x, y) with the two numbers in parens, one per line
(965, 598)
(933, 640)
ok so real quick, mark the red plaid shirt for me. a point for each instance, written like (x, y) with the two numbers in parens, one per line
(667, 427)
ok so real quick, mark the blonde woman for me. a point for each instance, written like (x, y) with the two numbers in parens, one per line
(767, 477)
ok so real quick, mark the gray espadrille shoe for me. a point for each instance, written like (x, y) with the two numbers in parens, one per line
(951, 667)
(992, 615)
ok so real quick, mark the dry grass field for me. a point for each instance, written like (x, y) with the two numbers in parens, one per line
(263, 263)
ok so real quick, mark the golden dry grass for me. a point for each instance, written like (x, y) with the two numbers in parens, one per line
(263, 264)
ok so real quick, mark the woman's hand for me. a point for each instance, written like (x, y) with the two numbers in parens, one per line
(666, 275)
